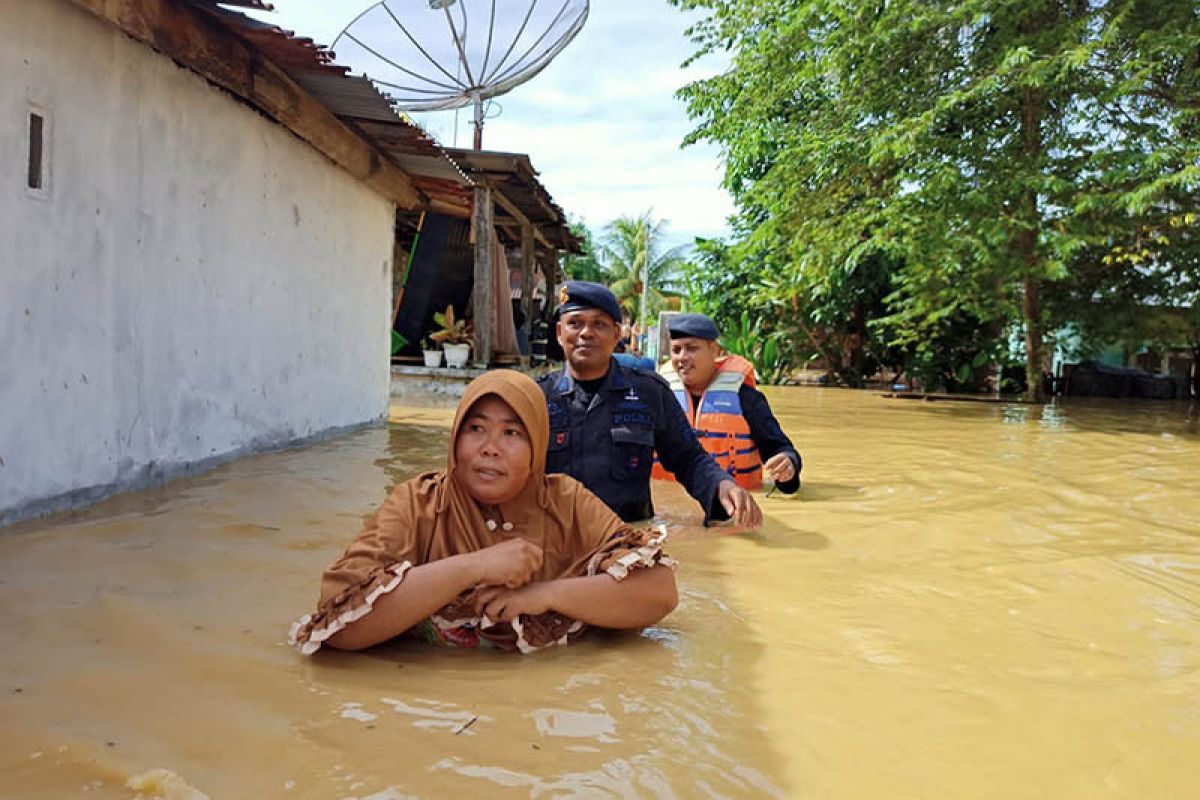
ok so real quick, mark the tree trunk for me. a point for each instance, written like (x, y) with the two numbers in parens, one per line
(856, 341)
(1031, 306)
(1027, 241)
(833, 363)
(857, 361)
(1196, 372)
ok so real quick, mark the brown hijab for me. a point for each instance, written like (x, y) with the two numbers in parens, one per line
(432, 517)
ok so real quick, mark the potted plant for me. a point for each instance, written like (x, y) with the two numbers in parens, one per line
(454, 335)
(433, 356)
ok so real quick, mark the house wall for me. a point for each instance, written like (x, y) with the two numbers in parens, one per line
(193, 283)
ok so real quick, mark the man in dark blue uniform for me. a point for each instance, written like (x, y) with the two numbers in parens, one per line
(607, 420)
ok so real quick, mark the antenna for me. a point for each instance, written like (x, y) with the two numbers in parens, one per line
(433, 55)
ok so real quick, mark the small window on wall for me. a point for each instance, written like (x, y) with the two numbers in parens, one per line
(37, 180)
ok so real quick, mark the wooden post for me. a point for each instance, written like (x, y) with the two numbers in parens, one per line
(544, 266)
(482, 220)
(527, 267)
(555, 268)
(550, 268)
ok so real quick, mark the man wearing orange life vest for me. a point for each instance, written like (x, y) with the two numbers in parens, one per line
(730, 416)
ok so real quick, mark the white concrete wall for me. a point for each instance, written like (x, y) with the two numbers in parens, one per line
(196, 283)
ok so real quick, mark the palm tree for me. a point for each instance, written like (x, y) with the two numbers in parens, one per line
(641, 273)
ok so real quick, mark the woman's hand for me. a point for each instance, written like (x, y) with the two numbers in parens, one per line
(499, 604)
(642, 598)
(511, 563)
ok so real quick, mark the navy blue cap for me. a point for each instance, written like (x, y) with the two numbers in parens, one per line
(694, 325)
(578, 295)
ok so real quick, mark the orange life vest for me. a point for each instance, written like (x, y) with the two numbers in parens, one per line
(718, 422)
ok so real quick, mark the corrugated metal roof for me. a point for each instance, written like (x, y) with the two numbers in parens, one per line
(357, 100)
(514, 175)
(349, 96)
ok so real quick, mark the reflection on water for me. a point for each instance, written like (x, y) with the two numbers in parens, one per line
(965, 600)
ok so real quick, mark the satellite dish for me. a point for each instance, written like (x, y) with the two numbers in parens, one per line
(433, 55)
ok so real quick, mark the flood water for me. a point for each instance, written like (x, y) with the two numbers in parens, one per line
(964, 601)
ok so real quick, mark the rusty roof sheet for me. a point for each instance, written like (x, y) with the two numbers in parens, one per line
(282, 46)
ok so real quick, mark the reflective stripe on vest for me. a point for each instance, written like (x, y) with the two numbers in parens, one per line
(719, 423)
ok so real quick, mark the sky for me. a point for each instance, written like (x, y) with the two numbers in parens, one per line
(600, 124)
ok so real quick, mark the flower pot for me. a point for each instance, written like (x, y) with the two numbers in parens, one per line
(456, 354)
(433, 358)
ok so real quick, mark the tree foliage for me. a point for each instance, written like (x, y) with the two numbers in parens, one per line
(584, 266)
(745, 337)
(827, 316)
(1144, 288)
(939, 166)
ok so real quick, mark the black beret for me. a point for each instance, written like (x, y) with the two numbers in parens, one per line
(695, 325)
(577, 295)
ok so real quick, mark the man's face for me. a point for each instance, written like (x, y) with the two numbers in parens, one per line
(588, 338)
(695, 360)
(493, 455)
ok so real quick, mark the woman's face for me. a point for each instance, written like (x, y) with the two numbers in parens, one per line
(492, 453)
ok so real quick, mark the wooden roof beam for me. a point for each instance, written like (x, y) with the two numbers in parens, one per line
(199, 42)
(449, 209)
(511, 209)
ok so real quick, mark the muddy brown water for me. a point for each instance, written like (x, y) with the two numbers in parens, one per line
(964, 600)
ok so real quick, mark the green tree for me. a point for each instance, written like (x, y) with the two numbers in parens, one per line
(1142, 290)
(826, 316)
(722, 283)
(977, 145)
(633, 249)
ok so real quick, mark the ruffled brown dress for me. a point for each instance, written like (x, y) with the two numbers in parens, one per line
(432, 517)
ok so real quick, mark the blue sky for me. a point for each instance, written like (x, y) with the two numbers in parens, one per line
(601, 123)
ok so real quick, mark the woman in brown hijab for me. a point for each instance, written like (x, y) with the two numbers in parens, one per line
(492, 551)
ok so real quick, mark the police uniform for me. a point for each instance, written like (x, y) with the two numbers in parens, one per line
(764, 430)
(606, 439)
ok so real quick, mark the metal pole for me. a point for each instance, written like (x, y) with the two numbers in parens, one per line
(643, 250)
(642, 313)
(478, 120)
